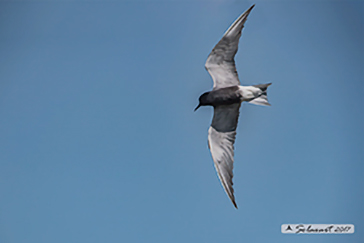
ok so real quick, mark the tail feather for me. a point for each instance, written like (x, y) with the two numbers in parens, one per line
(262, 98)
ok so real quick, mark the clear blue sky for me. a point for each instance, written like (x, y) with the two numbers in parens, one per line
(99, 141)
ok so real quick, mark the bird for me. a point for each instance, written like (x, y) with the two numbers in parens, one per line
(226, 97)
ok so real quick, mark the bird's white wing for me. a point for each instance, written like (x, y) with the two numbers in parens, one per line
(221, 140)
(220, 63)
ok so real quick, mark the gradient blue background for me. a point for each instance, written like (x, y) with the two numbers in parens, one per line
(99, 141)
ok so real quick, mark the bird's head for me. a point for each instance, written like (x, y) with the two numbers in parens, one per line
(203, 100)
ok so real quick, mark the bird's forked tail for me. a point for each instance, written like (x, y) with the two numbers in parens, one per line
(262, 98)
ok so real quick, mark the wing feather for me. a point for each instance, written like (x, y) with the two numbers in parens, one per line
(220, 63)
(221, 140)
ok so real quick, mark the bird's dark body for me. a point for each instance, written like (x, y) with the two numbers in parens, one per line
(223, 96)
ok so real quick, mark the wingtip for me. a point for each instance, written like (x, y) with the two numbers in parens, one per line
(250, 9)
(232, 198)
(236, 206)
(247, 12)
(240, 19)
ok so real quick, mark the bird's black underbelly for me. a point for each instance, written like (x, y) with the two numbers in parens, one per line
(225, 96)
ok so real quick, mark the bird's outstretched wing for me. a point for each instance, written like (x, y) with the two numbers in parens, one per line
(220, 63)
(221, 140)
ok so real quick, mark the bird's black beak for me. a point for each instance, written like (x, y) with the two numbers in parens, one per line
(197, 107)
